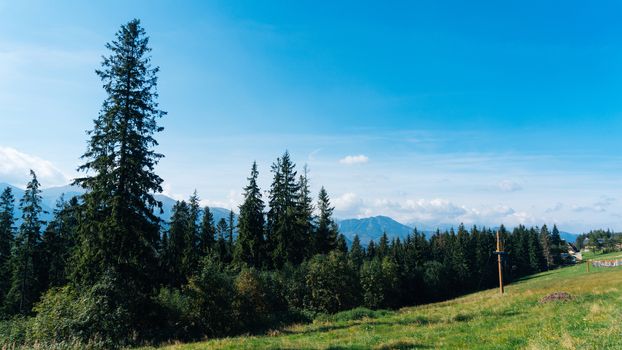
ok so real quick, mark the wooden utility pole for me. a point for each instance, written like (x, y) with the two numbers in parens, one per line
(499, 252)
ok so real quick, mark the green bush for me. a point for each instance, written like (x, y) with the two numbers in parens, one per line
(180, 322)
(293, 283)
(211, 293)
(14, 331)
(332, 283)
(379, 283)
(92, 317)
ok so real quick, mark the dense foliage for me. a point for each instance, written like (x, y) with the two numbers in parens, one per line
(107, 272)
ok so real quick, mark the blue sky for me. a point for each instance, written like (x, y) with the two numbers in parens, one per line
(429, 112)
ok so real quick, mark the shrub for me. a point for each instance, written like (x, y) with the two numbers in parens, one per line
(294, 289)
(211, 294)
(176, 310)
(93, 317)
(379, 283)
(332, 283)
(14, 331)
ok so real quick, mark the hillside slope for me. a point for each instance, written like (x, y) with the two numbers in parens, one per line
(483, 320)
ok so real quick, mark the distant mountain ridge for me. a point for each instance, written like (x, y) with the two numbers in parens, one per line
(372, 228)
(367, 229)
(49, 197)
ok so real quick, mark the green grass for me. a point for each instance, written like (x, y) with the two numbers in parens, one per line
(483, 320)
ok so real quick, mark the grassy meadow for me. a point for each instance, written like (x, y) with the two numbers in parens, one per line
(483, 320)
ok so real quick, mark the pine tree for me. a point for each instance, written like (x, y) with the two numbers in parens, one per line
(305, 222)
(207, 233)
(56, 245)
(26, 280)
(179, 252)
(286, 242)
(120, 232)
(221, 244)
(545, 241)
(556, 246)
(342, 245)
(534, 251)
(383, 246)
(371, 250)
(326, 232)
(231, 228)
(7, 233)
(194, 211)
(250, 244)
(356, 254)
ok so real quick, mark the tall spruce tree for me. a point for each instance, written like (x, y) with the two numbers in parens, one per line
(7, 233)
(231, 229)
(545, 241)
(26, 264)
(179, 253)
(221, 244)
(286, 241)
(194, 211)
(357, 253)
(305, 214)
(207, 232)
(326, 232)
(55, 247)
(120, 231)
(250, 244)
(556, 246)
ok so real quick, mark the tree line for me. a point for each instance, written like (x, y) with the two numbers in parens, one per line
(604, 241)
(107, 271)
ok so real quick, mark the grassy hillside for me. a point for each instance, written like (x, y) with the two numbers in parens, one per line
(484, 320)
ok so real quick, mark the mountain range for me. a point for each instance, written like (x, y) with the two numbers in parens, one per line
(367, 229)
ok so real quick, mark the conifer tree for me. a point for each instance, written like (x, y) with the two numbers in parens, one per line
(383, 246)
(26, 265)
(194, 211)
(286, 242)
(342, 245)
(250, 244)
(305, 221)
(120, 232)
(545, 241)
(371, 250)
(207, 232)
(556, 246)
(326, 232)
(179, 252)
(231, 228)
(221, 231)
(56, 245)
(356, 254)
(7, 233)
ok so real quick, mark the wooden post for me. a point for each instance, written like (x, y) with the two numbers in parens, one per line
(499, 251)
(588, 266)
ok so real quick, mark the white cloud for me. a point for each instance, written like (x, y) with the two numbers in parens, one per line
(15, 169)
(599, 206)
(509, 186)
(348, 204)
(557, 207)
(233, 201)
(431, 213)
(349, 160)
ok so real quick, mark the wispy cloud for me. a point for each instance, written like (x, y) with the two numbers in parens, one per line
(358, 159)
(15, 167)
(509, 186)
(431, 212)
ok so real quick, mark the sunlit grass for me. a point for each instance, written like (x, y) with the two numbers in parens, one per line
(484, 320)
